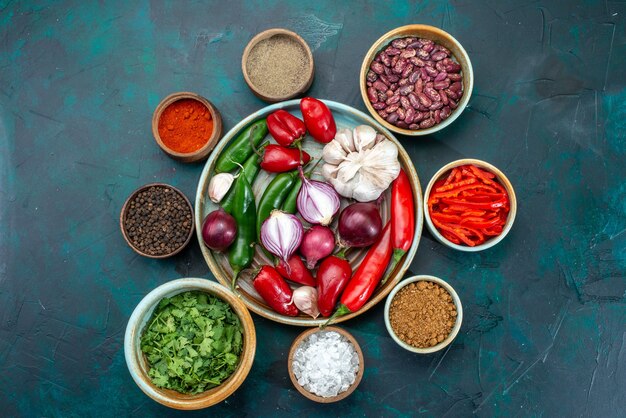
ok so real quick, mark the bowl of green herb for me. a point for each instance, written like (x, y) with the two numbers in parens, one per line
(190, 343)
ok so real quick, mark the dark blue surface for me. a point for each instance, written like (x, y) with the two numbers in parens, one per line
(545, 316)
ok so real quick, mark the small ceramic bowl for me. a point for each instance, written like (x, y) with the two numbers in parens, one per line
(455, 328)
(138, 365)
(307, 75)
(440, 37)
(504, 181)
(124, 213)
(202, 153)
(296, 343)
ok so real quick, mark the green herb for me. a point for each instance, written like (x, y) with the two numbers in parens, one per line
(192, 342)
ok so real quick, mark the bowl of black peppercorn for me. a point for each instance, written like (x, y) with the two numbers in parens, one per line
(157, 220)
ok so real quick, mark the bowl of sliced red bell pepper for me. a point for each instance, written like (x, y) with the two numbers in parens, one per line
(469, 205)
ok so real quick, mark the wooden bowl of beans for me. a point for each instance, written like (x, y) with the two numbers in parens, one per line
(416, 80)
(186, 126)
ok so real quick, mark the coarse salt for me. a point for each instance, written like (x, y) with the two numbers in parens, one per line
(325, 364)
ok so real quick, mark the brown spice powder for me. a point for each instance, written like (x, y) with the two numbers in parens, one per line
(422, 314)
(277, 66)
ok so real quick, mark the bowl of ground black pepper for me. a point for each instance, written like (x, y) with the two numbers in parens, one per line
(157, 220)
(277, 65)
(186, 126)
(423, 314)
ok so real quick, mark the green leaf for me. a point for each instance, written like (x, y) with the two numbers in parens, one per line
(192, 342)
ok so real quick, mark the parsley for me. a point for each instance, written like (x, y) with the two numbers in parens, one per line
(192, 342)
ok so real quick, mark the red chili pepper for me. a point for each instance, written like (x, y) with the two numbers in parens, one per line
(275, 291)
(299, 273)
(278, 159)
(333, 275)
(367, 276)
(318, 119)
(285, 127)
(402, 218)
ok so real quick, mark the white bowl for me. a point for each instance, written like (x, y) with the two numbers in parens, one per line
(504, 181)
(455, 328)
(138, 366)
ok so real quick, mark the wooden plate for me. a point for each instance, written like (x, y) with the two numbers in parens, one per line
(345, 117)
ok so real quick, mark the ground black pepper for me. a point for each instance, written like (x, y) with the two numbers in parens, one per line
(158, 220)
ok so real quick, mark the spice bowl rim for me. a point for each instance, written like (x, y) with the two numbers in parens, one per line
(455, 329)
(137, 365)
(429, 32)
(268, 33)
(298, 341)
(501, 178)
(201, 153)
(124, 211)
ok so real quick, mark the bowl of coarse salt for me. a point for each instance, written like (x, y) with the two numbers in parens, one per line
(325, 365)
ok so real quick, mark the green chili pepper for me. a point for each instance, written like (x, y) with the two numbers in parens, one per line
(290, 205)
(250, 169)
(274, 196)
(244, 211)
(238, 151)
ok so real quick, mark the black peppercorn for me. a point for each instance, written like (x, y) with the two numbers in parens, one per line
(153, 225)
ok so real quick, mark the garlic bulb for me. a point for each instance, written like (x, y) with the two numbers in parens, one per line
(360, 164)
(219, 186)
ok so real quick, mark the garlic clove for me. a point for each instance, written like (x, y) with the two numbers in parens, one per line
(364, 137)
(219, 186)
(333, 153)
(345, 140)
(366, 190)
(305, 299)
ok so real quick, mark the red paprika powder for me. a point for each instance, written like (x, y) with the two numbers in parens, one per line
(185, 125)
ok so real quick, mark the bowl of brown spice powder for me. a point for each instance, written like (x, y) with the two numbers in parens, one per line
(423, 314)
(277, 65)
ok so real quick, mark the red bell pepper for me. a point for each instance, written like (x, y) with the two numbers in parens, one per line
(333, 275)
(367, 276)
(278, 159)
(285, 127)
(318, 119)
(275, 291)
(298, 272)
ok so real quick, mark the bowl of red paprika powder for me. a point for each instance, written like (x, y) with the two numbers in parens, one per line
(186, 126)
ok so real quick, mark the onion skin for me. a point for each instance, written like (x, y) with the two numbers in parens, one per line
(219, 230)
(360, 225)
(317, 243)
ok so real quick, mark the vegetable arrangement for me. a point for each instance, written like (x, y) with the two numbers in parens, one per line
(299, 217)
(469, 206)
(192, 342)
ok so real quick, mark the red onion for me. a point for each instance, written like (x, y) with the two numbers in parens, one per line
(360, 224)
(219, 230)
(317, 243)
(281, 234)
(317, 201)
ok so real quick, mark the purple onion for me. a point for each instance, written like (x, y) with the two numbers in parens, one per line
(281, 234)
(317, 243)
(219, 230)
(318, 201)
(360, 224)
